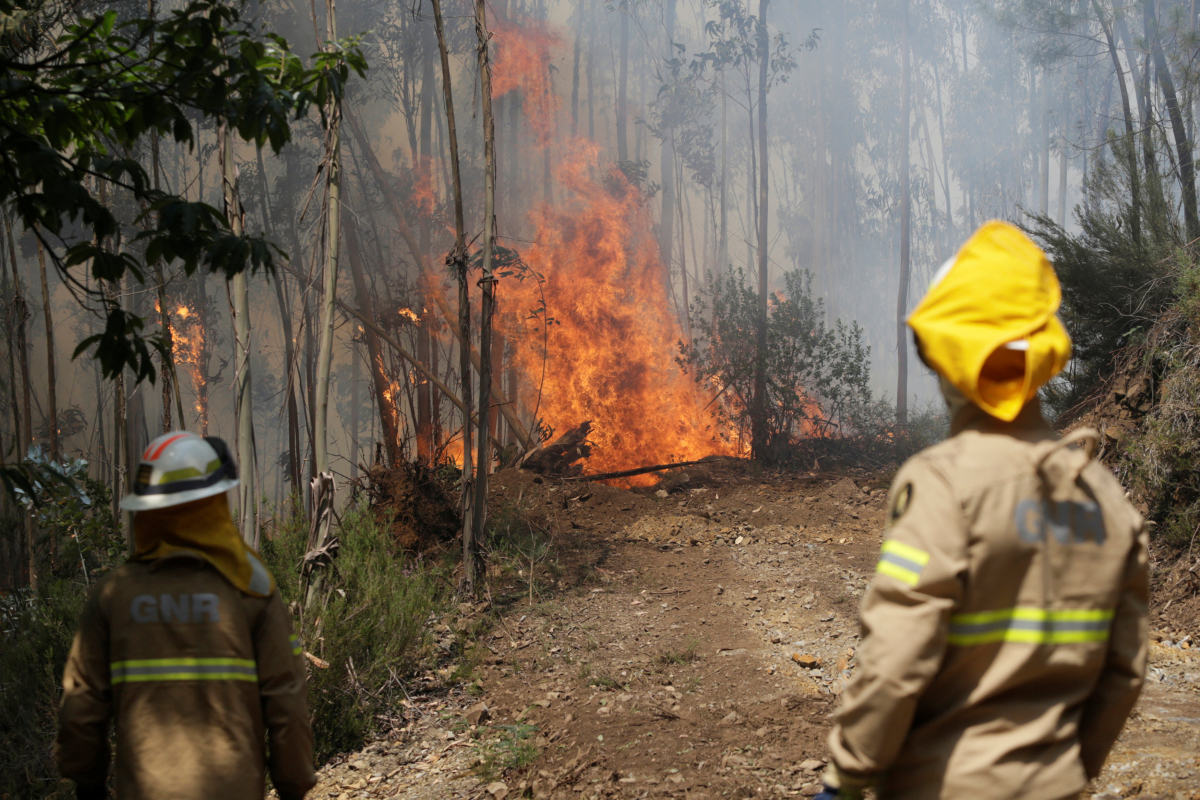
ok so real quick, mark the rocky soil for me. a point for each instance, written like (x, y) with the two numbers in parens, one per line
(692, 643)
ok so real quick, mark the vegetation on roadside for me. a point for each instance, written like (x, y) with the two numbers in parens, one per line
(368, 632)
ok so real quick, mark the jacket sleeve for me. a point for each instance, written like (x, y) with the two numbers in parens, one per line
(1120, 683)
(284, 702)
(81, 747)
(905, 618)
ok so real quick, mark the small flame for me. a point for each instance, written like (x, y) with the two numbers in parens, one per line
(410, 315)
(191, 351)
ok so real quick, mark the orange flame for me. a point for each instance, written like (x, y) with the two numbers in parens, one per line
(523, 64)
(190, 350)
(410, 315)
(611, 354)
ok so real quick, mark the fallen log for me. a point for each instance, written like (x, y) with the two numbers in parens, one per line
(559, 456)
(629, 473)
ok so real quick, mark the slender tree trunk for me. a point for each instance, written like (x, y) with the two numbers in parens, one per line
(289, 344)
(243, 387)
(10, 337)
(424, 398)
(905, 224)
(458, 261)
(1044, 146)
(1183, 147)
(667, 219)
(51, 373)
(1062, 154)
(581, 13)
(591, 62)
(333, 193)
(1129, 154)
(21, 314)
(487, 280)
(623, 85)
(760, 433)
(723, 246)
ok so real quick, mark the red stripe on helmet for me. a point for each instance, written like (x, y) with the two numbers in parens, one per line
(148, 456)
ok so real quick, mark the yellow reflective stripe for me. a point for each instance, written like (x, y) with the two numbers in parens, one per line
(1031, 626)
(184, 669)
(898, 572)
(295, 642)
(184, 662)
(186, 676)
(189, 472)
(902, 562)
(906, 551)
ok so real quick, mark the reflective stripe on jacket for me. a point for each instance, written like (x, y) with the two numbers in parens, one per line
(1004, 636)
(196, 675)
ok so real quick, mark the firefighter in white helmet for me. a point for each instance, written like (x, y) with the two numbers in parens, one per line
(1004, 635)
(188, 647)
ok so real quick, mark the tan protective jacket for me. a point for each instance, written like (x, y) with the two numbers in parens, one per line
(1004, 636)
(197, 675)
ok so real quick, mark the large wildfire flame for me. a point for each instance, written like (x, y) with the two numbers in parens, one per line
(611, 354)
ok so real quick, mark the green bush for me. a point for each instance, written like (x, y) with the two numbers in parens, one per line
(817, 376)
(34, 643)
(370, 625)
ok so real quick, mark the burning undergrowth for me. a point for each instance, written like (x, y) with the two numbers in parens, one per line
(412, 502)
(607, 354)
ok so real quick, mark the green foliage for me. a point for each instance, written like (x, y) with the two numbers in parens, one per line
(1115, 283)
(35, 638)
(511, 749)
(371, 625)
(75, 107)
(817, 376)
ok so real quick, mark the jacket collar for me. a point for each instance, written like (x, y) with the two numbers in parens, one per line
(1029, 425)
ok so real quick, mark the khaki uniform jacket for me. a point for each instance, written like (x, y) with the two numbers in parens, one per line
(1004, 635)
(197, 676)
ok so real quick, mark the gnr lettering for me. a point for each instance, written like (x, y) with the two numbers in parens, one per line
(1067, 522)
(186, 608)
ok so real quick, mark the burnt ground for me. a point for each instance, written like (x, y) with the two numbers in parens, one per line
(692, 646)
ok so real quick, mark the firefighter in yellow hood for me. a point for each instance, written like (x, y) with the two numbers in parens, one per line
(1004, 635)
(188, 648)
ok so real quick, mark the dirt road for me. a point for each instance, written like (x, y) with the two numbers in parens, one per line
(694, 647)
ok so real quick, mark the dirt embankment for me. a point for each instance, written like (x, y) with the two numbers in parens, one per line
(693, 646)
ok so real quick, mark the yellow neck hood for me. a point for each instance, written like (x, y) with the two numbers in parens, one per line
(205, 529)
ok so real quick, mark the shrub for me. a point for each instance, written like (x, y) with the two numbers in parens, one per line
(34, 643)
(817, 376)
(370, 625)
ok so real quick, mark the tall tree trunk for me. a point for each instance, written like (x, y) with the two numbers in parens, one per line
(243, 387)
(289, 344)
(667, 219)
(10, 337)
(1062, 154)
(487, 280)
(1044, 146)
(581, 14)
(387, 409)
(723, 242)
(1183, 147)
(1129, 154)
(457, 259)
(333, 193)
(424, 404)
(905, 224)
(623, 84)
(591, 62)
(51, 373)
(760, 433)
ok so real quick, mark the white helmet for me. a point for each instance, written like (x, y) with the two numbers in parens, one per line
(179, 468)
